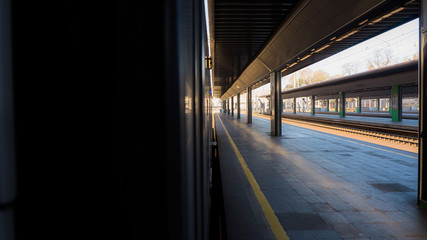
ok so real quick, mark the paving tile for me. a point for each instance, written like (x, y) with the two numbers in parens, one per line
(378, 217)
(392, 187)
(298, 204)
(333, 217)
(302, 221)
(322, 207)
(397, 230)
(326, 234)
(372, 230)
(313, 199)
(348, 230)
(313, 235)
(300, 235)
(355, 217)
(301, 189)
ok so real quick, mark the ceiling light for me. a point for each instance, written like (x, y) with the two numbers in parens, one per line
(320, 49)
(347, 35)
(305, 57)
(363, 22)
(291, 65)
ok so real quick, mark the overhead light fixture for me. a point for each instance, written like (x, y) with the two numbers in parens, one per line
(397, 10)
(347, 35)
(320, 49)
(293, 64)
(375, 21)
(387, 15)
(363, 22)
(410, 2)
(305, 57)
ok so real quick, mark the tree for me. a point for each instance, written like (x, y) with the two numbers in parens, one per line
(381, 58)
(320, 76)
(350, 68)
(307, 76)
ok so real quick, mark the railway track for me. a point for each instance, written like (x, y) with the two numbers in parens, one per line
(407, 137)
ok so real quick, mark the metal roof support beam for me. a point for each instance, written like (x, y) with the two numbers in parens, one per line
(276, 103)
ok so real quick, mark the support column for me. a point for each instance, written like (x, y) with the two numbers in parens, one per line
(342, 104)
(422, 100)
(276, 103)
(327, 105)
(336, 104)
(249, 105)
(359, 105)
(396, 103)
(313, 105)
(377, 104)
(232, 106)
(295, 105)
(228, 106)
(238, 105)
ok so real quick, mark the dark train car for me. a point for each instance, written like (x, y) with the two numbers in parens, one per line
(166, 166)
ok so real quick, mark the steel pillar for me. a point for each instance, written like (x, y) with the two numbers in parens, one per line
(238, 105)
(422, 100)
(232, 106)
(313, 105)
(249, 105)
(336, 104)
(276, 103)
(295, 105)
(228, 106)
(342, 104)
(396, 103)
(327, 105)
(359, 105)
(377, 104)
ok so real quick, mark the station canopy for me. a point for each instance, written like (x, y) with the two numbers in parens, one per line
(253, 38)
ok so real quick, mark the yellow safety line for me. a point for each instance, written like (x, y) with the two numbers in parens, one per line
(269, 214)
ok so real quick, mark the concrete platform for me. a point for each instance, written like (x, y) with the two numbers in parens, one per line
(413, 123)
(320, 186)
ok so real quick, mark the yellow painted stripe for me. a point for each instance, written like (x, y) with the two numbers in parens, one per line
(269, 214)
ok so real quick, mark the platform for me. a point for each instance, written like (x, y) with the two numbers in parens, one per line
(320, 186)
(412, 123)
